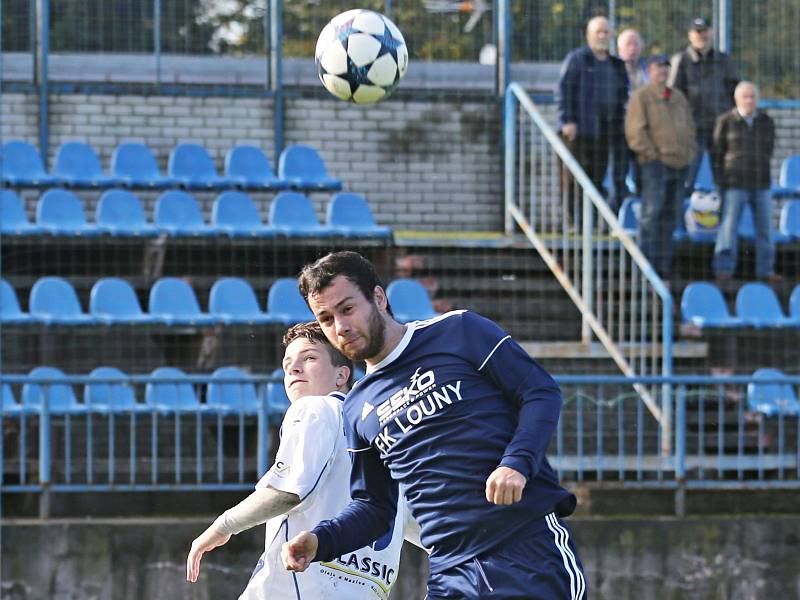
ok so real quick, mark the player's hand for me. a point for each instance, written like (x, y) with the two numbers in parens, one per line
(299, 551)
(505, 485)
(570, 130)
(208, 540)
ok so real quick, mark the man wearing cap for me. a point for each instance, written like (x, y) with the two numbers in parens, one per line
(660, 131)
(707, 77)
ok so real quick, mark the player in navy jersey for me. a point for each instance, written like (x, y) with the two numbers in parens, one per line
(456, 411)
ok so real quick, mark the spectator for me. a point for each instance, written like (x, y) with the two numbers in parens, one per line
(660, 130)
(707, 77)
(744, 139)
(592, 92)
(629, 48)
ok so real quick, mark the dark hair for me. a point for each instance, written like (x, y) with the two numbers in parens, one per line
(358, 270)
(313, 333)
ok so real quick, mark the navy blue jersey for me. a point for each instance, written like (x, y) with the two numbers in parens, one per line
(453, 401)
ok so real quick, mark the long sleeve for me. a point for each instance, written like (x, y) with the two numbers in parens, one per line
(565, 92)
(636, 130)
(719, 148)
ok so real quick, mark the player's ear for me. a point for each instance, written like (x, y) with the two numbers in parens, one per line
(342, 376)
(379, 297)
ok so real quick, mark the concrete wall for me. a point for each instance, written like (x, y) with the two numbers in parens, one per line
(711, 558)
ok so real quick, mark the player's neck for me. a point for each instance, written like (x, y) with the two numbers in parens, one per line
(393, 333)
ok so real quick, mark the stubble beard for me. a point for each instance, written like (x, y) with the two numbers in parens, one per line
(375, 339)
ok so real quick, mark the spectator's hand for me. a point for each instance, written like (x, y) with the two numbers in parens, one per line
(505, 485)
(299, 551)
(570, 131)
(208, 540)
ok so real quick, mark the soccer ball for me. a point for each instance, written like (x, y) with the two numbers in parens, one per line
(361, 56)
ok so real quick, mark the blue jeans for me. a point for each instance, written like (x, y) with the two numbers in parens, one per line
(727, 246)
(662, 206)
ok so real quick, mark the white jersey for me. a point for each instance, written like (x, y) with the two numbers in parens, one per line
(313, 462)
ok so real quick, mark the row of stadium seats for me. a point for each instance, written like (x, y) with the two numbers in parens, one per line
(703, 305)
(190, 166)
(173, 302)
(224, 394)
(788, 230)
(176, 213)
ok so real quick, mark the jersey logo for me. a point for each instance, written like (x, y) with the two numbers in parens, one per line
(280, 468)
(368, 408)
(420, 383)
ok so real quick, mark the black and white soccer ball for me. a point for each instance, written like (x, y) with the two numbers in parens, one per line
(361, 56)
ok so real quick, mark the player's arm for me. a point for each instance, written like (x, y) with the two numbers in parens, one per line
(257, 508)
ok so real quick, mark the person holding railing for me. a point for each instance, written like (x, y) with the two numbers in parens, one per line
(591, 95)
(660, 130)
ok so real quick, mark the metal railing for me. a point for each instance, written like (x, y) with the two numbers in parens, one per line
(623, 302)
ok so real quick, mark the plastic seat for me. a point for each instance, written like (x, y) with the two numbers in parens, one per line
(304, 169)
(248, 167)
(277, 400)
(758, 306)
(409, 301)
(292, 214)
(790, 219)
(135, 166)
(789, 178)
(236, 214)
(285, 304)
(13, 218)
(704, 181)
(192, 167)
(747, 227)
(772, 399)
(702, 305)
(10, 311)
(53, 301)
(60, 397)
(77, 165)
(179, 214)
(60, 212)
(628, 215)
(170, 397)
(8, 402)
(349, 215)
(227, 396)
(113, 301)
(794, 303)
(110, 397)
(233, 301)
(173, 302)
(21, 165)
(120, 213)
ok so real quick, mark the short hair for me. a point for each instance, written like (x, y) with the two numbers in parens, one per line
(312, 332)
(358, 270)
(743, 84)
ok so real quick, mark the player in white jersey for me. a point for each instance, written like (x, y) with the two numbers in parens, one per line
(309, 482)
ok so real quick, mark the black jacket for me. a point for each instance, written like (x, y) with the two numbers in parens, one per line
(741, 153)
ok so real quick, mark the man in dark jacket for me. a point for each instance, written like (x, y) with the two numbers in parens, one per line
(591, 96)
(744, 139)
(707, 77)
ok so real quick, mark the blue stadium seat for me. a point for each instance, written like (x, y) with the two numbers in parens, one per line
(248, 167)
(60, 212)
(77, 165)
(277, 400)
(703, 305)
(111, 397)
(233, 301)
(349, 215)
(8, 402)
(758, 306)
(135, 166)
(772, 399)
(304, 169)
(704, 181)
(170, 397)
(10, 311)
(789, 178)
(292, 214)
(747, 227)
(113, 301)
(179, 214)
(21, 165)
(120, 213)
(285, 304)
(409, 301)
(232, 397)
(629, 213)
(237, 215)
(13, 218)
(60, 397)
(794, 303)
(790, 219)
(53, 301)
(192, 167)
(173, 302)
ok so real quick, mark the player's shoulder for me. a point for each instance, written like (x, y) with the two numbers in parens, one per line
(326, 407)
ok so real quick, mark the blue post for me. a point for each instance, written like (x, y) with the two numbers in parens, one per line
(268, 44)
(387, 8)
(43, 39)
(44, 450)
(276, 56)
(509, 137)
(263, 431)
(680, 435)
(504, 31)
(157, 37)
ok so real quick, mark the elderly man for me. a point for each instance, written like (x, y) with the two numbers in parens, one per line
(629, 48)
(744, 139)
(591, 95)
(707, 77)
(660, 130)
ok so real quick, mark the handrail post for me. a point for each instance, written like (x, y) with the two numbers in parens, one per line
(680, 451)
(510, 136)
(44, 452)
(587, 266)
(263, 430)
